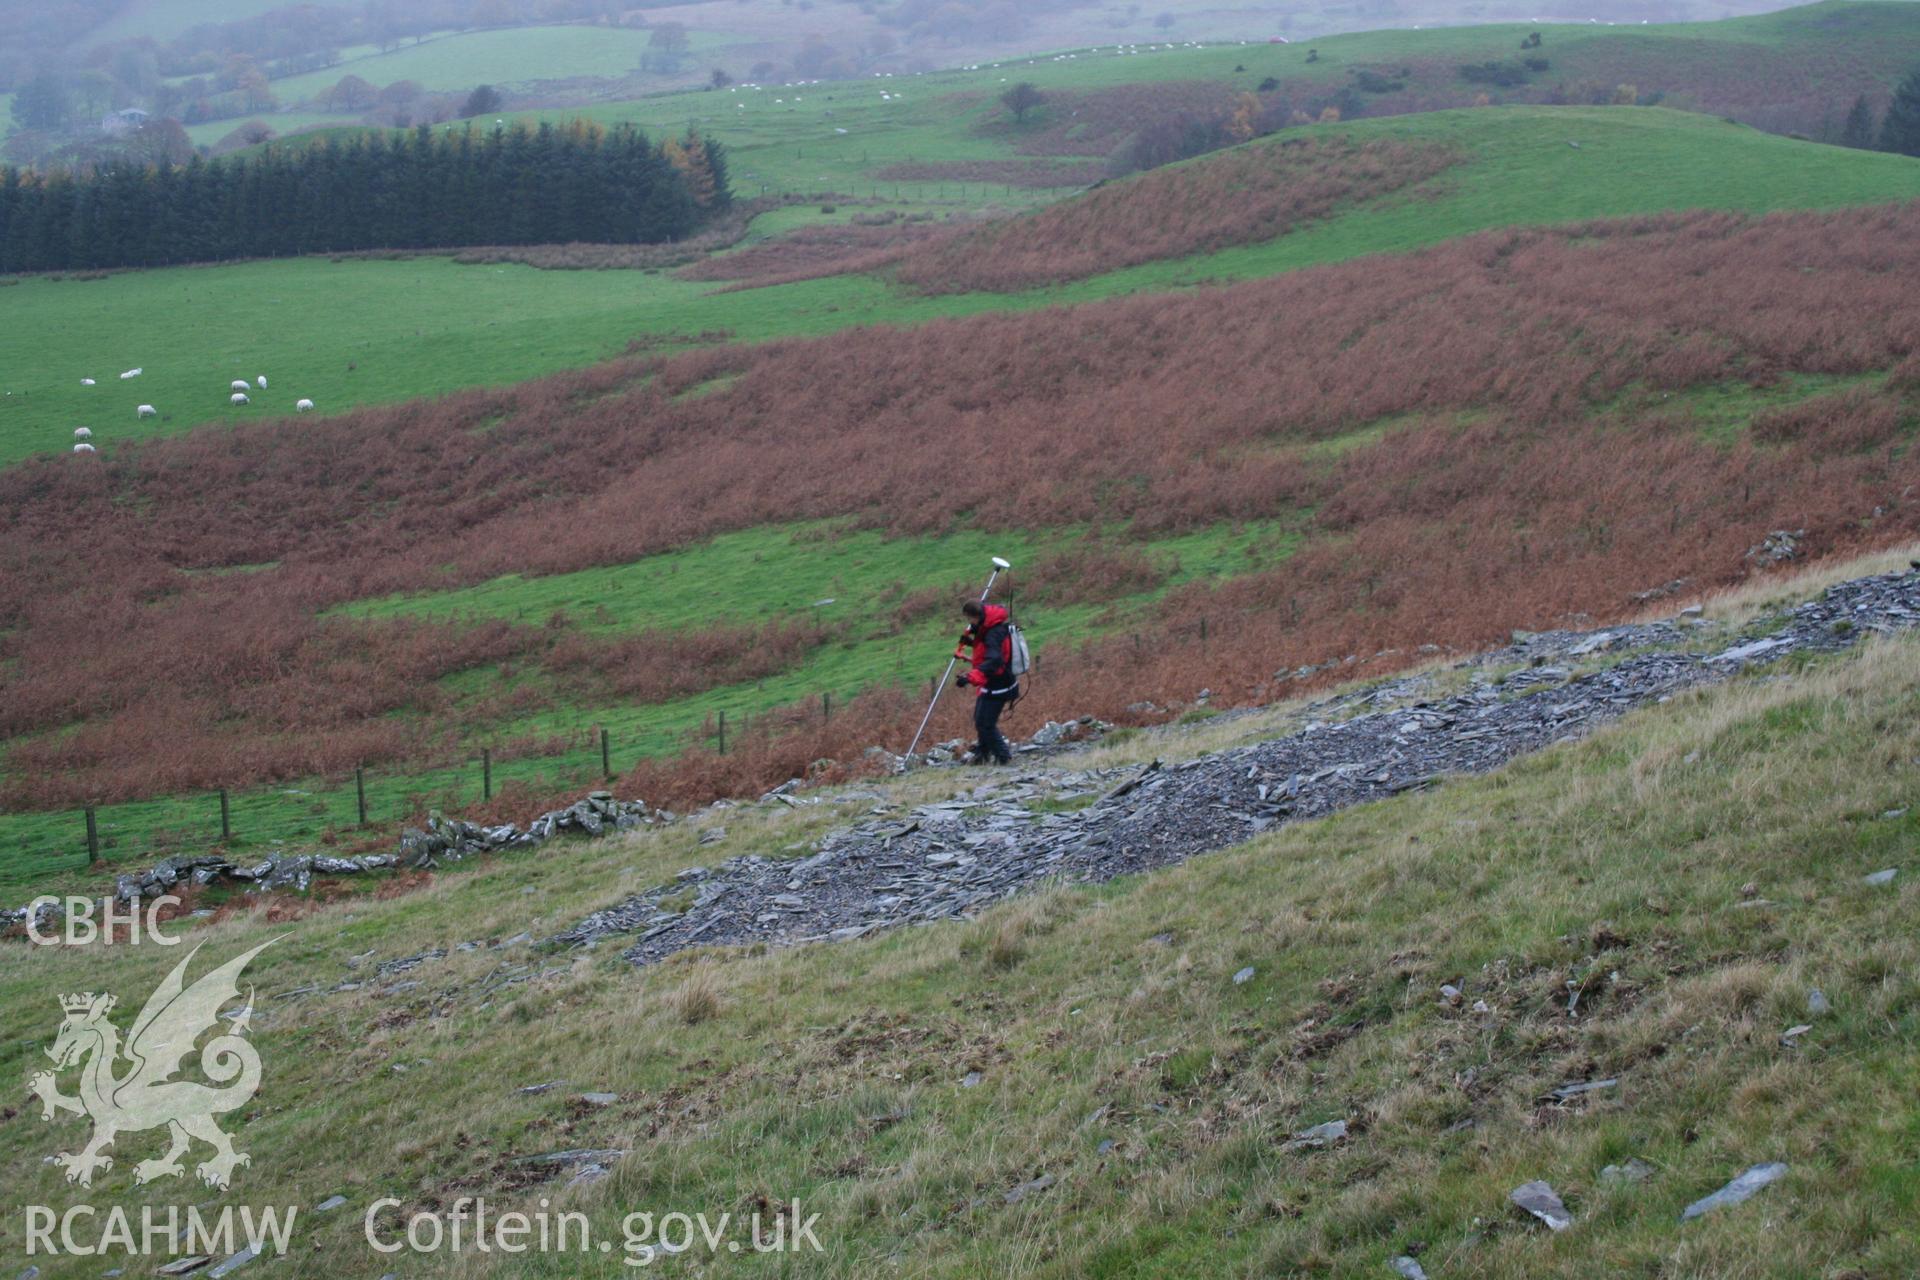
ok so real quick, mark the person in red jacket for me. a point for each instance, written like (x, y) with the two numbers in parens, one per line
(988, 646)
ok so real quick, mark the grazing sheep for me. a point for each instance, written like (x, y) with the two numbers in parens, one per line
(83, 447)
(303, 406)
(147, 411)
(86, 382)
(240, 384)
(238, 398)
(83, 433)
(262, 380)
(132, 373)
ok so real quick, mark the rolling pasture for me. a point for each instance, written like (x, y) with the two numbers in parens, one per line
(462, 615)
(785, 136)
(506, 58)
(363, 331)
(1659, 392)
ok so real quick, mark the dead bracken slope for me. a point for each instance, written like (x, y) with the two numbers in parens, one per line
(1498, 432)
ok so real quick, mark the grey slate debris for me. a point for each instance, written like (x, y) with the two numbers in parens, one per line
(1579, 1087)
(233, 1263)
(1016, 1194)
(1408, 1268)
(1634, 1170)
(1740, 1189)
(1540, 1200)
(573, 1156)
(1321, 1135)
(953, 858)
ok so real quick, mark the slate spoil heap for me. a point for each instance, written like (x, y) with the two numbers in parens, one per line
(950, 859)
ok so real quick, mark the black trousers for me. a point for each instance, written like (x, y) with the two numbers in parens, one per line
(986, 727)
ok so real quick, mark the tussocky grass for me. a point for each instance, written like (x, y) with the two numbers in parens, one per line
(1696, 869)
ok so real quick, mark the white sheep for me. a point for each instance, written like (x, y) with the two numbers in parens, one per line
(83, 433)
(238, 397)
(147, 411)
(303, 406)
(240, 384)
(86, 382)
(131, 373)
(83, 447)
(262, 380)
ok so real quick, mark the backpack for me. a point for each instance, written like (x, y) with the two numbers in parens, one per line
(1022, 660)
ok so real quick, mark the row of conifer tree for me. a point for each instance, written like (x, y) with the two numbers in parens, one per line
(425, 190)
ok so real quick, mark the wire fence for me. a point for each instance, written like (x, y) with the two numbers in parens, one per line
(344, 810)
(354, 807)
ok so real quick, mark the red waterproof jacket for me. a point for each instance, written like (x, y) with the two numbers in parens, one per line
(992, 655)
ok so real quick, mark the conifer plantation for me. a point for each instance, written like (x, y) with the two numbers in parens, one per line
(424, 190)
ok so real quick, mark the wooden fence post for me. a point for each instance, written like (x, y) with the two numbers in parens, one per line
(360, 792)
(93, 838)
(486, 773)
(606, 756)
(226, 823)
(826, 707)
(723, 733)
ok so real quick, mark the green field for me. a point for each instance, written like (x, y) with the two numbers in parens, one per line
(281, 122)
(503, 58)
(1113, 1058)
(457, 61)
(427, 326)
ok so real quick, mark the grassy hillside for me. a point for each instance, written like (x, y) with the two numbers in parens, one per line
(1798, 58)
(503, 58)
(850, 584)
(1504, 431)
(427, 326)
(1278, 462)
(1795, 71)
(1697, 870)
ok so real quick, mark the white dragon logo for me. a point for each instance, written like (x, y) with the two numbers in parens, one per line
(146, 1097)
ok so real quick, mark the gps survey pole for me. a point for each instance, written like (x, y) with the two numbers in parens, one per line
(998, 565)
